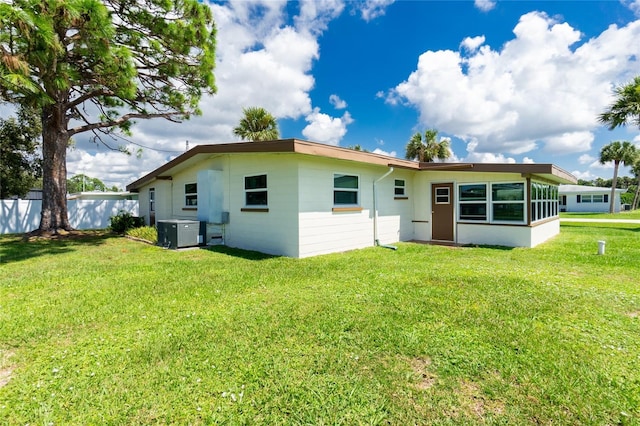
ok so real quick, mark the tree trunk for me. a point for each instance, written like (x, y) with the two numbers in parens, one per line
(55, 139)
(614, 183)
(636, 197)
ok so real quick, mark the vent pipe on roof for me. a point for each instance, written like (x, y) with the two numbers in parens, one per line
(376, 241)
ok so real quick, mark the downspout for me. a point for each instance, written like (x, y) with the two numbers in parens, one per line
(376, 241)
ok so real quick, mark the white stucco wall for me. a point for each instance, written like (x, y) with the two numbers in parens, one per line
(512, 236)
(275, 231)
(544, 232)
(323, 230)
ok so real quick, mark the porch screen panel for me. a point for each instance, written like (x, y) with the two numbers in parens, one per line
(473, 202)
(508, 202)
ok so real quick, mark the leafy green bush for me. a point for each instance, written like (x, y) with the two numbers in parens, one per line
(124, 221)
(147, 233)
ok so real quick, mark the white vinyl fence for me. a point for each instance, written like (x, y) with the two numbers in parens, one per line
(19, 216)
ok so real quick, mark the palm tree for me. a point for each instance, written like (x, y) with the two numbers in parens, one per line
(619, 152)
(635, 169)
(427, 149)
(626, 108)
(257, 125)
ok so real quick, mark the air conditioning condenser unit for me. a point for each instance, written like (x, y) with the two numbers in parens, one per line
(178, 233)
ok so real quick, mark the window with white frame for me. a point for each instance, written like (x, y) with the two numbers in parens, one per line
(472, 199)
(508, 202)
(255, 190)
(345, 190)
(191, 194)
(596, 198)
(544, 201)
(152, 200)
(399, 188)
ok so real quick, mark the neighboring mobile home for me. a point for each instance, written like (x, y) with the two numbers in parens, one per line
(581, 198)
(297, 198)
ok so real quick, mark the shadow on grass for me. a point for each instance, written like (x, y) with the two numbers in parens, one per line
(16, 247)
(486, 246)
(244, 254)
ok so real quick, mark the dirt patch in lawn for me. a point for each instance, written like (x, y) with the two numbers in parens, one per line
(420, 367)
(474, 403)
(61, 235)
(6, 368)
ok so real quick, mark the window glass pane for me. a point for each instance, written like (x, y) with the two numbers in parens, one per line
(473, 211)
(508, 191)
(399, 182)
(255, 182)
(191, 188)
(473, 192)
(511, 212)
(345, 197)
(442, 195)
(191, 200)
(597, 198)
(345, 181)
(399, 191)
(534, 212)
(256, 198)
(586, 199)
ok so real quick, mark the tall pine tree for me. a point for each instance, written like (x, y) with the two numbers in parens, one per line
(94, 66)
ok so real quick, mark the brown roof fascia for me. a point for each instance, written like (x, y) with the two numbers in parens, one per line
(329, 151)
(528, 169)
(445, 166)
(276, 146)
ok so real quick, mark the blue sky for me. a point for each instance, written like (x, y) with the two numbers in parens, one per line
(506, 81)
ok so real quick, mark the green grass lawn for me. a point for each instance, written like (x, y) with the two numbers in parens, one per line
(105, 330)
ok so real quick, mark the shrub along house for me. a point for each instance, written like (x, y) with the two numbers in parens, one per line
(297, 198)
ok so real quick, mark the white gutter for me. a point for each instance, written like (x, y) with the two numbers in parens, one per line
(376, 241)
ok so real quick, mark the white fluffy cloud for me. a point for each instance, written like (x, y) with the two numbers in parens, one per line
(472, 43)
(337, 102)
(387, 153)
(326, 129)
(541, 89)
(260, 61)
(485, 5)
(634, 5)
(372, 9)
(586, 159)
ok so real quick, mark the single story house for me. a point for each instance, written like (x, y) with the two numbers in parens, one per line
(581, 198)
(298, 198)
